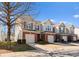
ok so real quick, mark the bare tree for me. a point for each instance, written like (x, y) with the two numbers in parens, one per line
(10, 11)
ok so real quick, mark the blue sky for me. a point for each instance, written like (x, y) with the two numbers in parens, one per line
(59, 11)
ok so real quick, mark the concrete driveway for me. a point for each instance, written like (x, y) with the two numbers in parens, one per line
(57, 47)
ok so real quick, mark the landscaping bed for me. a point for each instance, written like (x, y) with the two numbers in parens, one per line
(13, 46)
(42, 42)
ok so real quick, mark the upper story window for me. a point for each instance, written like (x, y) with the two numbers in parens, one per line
(37, 27)
(48, 28)
(62, 29)
(30, 26)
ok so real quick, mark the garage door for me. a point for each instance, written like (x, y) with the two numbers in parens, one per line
(30, 38)
(50, 38)
(65, 38)
(74, 38)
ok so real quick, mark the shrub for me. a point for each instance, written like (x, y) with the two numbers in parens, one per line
(42, 42)
(19, 41)
(77, 40)
(23, 41)
(8, 43)
(62, 40)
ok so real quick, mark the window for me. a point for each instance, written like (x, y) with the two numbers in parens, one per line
(37, 27)
(62, 29)
(48, 28)
(30, 26)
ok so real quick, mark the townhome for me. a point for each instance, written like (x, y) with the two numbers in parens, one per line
(26, 28)
(49, 32)
(33, 31)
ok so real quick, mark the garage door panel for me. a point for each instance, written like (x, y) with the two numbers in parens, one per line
(50, 39)
(30, 38)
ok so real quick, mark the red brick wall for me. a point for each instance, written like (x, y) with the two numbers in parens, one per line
(46, 37)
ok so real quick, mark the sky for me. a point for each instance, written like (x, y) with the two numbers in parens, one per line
(68, 12)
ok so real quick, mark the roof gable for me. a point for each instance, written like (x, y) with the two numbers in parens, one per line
(48, 22)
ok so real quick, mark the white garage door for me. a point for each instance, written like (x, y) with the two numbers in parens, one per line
(30, 38)
(65, 38)
(74, 38)
(50, 39)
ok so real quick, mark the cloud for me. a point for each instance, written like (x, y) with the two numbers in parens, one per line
(52, 20)
(76, 16)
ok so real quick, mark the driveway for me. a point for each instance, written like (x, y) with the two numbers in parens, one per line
(59, 49)
(56, 47)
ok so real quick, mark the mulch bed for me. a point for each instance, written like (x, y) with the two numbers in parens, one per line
(14, 47)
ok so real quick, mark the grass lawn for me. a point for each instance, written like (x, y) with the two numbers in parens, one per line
(22, 47)
(13, 46)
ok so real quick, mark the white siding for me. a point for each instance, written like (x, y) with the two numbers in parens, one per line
(57, 30)
(18, 32)
(76, 31)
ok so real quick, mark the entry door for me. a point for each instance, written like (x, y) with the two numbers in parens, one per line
(50, 38)
(30, 38)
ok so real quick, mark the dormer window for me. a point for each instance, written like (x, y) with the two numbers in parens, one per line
(48, 28)
(62, 29)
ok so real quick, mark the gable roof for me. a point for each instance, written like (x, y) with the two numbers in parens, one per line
(47, 21)
(25, 18)
(62, 24)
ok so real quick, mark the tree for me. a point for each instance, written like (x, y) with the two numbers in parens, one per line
(10, 11)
